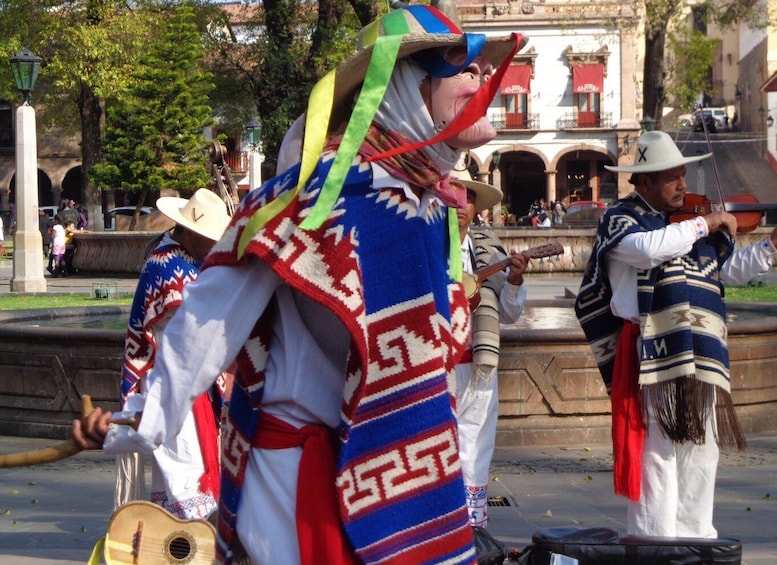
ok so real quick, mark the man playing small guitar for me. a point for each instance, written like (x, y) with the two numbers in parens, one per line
(501, 297)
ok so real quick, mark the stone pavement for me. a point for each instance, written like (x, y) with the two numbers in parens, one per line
(54, 513)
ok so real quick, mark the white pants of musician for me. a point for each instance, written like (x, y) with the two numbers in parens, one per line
(477, 412)
(678, 486)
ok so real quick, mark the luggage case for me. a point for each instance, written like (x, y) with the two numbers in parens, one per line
(604, 546)
(490, 551)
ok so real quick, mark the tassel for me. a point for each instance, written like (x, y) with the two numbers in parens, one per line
(728, 432)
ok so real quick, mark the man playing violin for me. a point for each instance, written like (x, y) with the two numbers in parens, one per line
(500, 299)
(651, 307)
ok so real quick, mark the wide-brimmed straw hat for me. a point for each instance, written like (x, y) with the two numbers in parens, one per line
(419, 28)
(486, 195)
(204, 213)
(656, 151)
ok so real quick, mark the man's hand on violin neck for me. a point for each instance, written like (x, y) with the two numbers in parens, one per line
(721, 221)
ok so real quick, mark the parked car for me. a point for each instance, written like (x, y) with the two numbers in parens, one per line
(125, 212)
(685, 120)
(714, 117)
(584, 213)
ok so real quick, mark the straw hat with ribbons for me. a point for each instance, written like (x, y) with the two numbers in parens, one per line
(436, 44)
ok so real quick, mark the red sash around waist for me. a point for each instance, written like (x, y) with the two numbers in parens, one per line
(319, 529)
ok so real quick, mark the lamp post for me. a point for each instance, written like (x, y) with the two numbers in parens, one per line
(27, 241)
(648, 124)
(254, 133)
(495, 179)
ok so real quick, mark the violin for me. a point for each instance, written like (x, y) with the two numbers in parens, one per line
(472, 283)
(746, 208)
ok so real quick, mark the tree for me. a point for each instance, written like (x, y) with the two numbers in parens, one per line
(688, 66)
(294, 44)
(88, 48)
(154, 138)
(659, 14)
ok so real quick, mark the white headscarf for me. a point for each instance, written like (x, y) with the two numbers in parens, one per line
(403, 110)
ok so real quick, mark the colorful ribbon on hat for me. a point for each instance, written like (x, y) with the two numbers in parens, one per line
(320, 105)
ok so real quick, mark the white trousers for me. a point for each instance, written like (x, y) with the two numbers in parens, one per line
(477, 411)
(678, 486)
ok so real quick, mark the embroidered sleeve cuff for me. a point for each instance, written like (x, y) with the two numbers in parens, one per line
(701, 227)
(767, 247)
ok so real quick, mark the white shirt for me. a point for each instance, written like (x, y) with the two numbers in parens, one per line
(303, 382)
(646, 250)
(512, 297)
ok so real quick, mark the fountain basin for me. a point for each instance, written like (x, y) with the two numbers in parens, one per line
(550, 389)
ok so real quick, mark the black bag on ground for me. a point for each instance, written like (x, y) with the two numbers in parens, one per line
(604, 546)
(490, 551)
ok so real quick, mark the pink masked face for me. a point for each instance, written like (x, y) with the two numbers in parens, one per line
(450, 95)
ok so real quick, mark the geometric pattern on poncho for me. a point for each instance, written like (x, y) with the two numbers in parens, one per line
(167, 270)
(399, 479)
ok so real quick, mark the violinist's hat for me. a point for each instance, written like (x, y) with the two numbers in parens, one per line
(204, 213)
(486, 195)
(656, 151)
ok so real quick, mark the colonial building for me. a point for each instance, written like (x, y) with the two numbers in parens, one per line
(569, 104)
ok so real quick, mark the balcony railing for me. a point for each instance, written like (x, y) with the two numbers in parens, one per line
(237, 161)
(585, 120)
(510, 121)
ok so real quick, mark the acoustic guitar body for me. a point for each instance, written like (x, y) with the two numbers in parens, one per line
(144, 533)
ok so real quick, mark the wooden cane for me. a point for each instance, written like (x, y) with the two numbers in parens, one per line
(67, 448)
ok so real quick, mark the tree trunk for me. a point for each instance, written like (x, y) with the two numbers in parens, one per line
(653, 96)
(90, 108)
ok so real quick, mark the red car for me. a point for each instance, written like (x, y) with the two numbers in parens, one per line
(585, 213)
(580, 205)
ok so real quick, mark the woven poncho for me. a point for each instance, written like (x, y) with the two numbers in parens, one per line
(383, 270)
(167, 270)
(684, 362)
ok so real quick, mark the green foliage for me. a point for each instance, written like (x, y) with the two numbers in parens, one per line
(294, 44)
(688, 67)
(154, 138)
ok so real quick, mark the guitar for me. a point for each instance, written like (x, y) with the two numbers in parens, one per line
(472, 283)
(144, 533)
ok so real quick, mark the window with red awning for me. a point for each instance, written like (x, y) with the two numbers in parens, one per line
(516, 80)
(588, 78)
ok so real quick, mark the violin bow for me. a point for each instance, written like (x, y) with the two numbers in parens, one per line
(712, 156)
(62, 450)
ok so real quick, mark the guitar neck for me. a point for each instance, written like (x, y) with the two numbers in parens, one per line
(486, 272)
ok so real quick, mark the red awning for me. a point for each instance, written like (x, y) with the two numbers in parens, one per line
(588, 78)
(516, 80)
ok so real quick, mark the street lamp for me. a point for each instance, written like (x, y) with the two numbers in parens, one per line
(25, 66)
(495, 179)
(648, 124)
(27, 241)
(254, 133)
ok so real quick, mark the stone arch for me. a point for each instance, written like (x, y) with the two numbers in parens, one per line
(580, 174)
(71, 184)
(521, 174)
(45, 197)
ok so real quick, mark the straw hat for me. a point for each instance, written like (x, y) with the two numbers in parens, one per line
(656, 151)
(204, 213)
(421, 28)
(486, 195)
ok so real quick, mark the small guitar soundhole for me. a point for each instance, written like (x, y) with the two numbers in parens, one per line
(180, 547)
